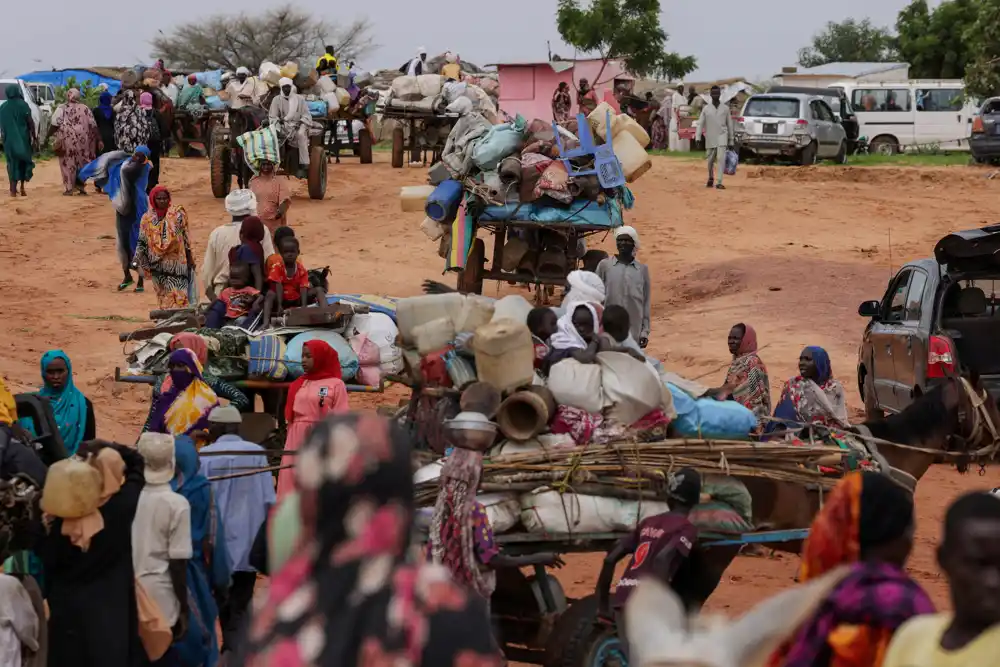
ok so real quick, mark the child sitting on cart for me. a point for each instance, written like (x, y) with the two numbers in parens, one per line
(661, 546)
(289, 282)
(237, 302)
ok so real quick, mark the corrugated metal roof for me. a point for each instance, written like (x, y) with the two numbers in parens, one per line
(845, 69)
(557, 65)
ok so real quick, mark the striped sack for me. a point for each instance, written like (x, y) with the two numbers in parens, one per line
(259, 145)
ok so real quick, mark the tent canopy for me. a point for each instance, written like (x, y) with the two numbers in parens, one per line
(61, 78)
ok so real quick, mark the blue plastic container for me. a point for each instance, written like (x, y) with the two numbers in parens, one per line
(442, 205)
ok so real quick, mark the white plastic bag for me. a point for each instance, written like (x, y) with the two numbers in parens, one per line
(406, 88)
(630, 387)
(461, 105)
(430, 84)
(512, 307)
(577, 385)
(332, 102)
(548, 511)
(502, 509)
(453, 90)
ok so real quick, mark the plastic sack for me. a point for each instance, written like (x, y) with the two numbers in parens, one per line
(289, 70)
(430, 84)
(461, 106)
(363, 78)
(267, 355)
(212, 79)
(317, 108)
(406, 88)
(577, 385)
(215, 103)
(270, 73)
(547, 511)
(325, 85)
(348, 359)
(332, 102)
(369, 358)
(343, 97)
(512, 307)
(631, 387)
(454, 90)
(501, 140)
(72, 489)
(502, 509)
(709, 418)
(732, 161)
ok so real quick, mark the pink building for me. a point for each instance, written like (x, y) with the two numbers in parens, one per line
(527, 88)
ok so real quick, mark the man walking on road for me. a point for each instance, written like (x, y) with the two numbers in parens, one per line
(716, 124)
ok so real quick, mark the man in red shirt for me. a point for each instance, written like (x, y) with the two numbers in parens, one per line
(660, 546)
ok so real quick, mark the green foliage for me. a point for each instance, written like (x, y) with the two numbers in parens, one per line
(89, 95)
(849, 41)
(982, 76)
(935, 42)
(626, 30)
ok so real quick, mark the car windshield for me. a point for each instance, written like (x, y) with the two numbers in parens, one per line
(772, 107)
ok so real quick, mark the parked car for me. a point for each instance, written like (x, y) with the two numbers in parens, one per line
(40, 119)
(840, 105)
(795, 126)
(938, 316)
(985, 139)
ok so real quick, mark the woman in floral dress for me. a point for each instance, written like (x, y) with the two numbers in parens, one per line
(77, 140)
(163, 251)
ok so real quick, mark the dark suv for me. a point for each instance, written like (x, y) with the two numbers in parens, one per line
(938, 315)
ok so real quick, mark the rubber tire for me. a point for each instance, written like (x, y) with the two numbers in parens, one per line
(365, 146)
(872, 411)
(875, 146)
(574, 635)
(317, 172)
(470, 279)
(397, 148)
(222, 178)
(807, 156)
(841, 157)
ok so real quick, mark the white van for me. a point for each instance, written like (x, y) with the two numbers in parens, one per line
(921, 113)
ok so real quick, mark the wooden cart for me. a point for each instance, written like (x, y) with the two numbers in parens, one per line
(419, 134)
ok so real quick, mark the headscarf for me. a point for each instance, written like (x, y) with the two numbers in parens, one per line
(747, 376)
(72, 95)
(451, 541)
(824, 370)
(814, 401)
(285, 81)
(104, 105)
(160, 213)
(748, 343)
(326, 366)
(584, 287)
(252, 230)
(192, 79)
(865, 510)
(146, 101)
(241, 203)
(8, 406)
(188, 480)
(628, 231)
(346, 597)
(68, 404)
(184, 407)
(566, 336)
(243, 70)
(111, 466)
(186, 340)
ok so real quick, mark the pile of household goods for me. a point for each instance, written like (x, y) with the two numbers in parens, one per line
(472, 361)
(360, 328)
(537, 172)
(346, 95)
(435, 95)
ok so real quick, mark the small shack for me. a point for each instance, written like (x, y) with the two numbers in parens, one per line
(834, 73)
(526, 88)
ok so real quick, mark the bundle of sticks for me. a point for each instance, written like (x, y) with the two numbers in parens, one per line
(639, 470)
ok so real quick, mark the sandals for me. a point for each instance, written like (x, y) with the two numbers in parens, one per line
(125, 285)
(139, 289)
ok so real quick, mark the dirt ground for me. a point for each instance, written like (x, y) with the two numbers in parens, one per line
(792, 251)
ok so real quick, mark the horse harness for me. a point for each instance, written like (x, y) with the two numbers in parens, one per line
(982, 422)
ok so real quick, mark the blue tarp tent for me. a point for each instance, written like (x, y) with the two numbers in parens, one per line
(61, 78)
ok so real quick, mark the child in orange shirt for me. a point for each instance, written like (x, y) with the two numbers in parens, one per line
(289, 282)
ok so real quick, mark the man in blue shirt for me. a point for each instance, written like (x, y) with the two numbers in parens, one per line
(243, 506)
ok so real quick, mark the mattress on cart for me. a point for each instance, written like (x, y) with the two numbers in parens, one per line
(580, 212)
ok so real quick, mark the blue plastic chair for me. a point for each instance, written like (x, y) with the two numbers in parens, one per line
(607, 167)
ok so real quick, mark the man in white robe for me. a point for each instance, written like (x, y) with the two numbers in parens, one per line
(242, 90)
(674, 141)
(289, 113)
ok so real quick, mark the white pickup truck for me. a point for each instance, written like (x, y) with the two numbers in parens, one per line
(41, 112)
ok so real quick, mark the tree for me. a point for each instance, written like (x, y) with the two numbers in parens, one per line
(935, 42)
(626, 30)
(982, 76)
(849, 41)
(89, 94)
(278, 35)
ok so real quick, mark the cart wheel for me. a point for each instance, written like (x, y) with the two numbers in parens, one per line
(578, 639)
(397, 148)
(365, 146)
(470, 279)
(317, 172)
(222, 177)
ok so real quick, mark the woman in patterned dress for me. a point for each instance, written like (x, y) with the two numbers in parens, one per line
(77, 140)
(163, 251)
(133, 127)
(746, 379)
(813, 396)
(562, 103)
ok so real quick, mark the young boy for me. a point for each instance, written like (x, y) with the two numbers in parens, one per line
(969, 555)
(275, 260)
(542, 322)
(660, 546)
(616, 323)
(237, 301)
(289, 282)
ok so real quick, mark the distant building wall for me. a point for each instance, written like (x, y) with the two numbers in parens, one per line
(527, 89)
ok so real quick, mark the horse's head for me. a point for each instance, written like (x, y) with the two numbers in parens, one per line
(976, 416)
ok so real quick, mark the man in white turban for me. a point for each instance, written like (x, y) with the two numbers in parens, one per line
(626, 283)
(240, 204)
(289, 114)
(415, 66)
(242, 91)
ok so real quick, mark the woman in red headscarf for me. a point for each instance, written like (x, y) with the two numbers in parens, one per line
(163, 252)
(746, 379)
(318, 393)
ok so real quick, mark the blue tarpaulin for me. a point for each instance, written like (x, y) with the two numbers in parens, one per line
(61, 78)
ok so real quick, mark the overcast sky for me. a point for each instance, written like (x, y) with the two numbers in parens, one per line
(748, 38)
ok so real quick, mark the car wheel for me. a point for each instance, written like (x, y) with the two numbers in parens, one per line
(884, 146)
(841, 157)
(807, 155)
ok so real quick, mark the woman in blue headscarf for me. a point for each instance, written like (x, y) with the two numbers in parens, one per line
(209, 568)
(74, 413)
(104, 116)
(123, 178)
(813, 396)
